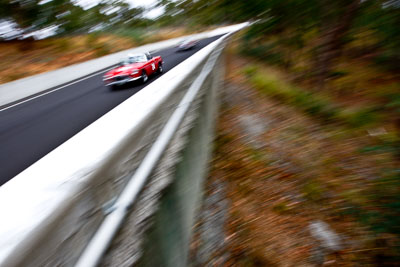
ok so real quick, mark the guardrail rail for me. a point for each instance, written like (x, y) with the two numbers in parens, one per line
(125, 189)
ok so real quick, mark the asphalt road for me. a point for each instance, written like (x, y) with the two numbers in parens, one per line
(31, 130)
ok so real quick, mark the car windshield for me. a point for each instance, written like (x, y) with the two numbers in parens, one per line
(133, 59)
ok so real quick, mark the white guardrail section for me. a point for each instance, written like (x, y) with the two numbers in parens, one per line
(53, 209)
(23, 88)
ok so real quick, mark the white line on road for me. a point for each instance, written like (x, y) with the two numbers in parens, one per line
(55, 89)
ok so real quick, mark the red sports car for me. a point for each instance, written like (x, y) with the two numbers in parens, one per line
(135, 67)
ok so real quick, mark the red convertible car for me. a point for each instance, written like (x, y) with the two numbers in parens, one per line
(135, 67)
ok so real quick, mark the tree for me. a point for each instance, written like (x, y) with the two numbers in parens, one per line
(290, 21)
(33, 15)
(338, 17)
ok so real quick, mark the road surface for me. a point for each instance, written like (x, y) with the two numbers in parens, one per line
(32, 129)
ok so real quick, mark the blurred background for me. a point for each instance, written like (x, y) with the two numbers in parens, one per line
(308, 146)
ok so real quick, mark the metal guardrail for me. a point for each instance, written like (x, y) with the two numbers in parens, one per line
(101, 240)
(54, 207)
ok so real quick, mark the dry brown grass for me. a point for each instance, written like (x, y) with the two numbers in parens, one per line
(20, 59)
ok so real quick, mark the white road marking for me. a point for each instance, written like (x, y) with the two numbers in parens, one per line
(56, 89)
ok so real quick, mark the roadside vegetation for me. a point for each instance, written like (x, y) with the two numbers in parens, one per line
(20, 59)
(309, 134)
(292, 157)
(23, 58)
(358, 97)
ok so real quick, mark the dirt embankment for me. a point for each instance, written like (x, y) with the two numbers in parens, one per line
(280, 186)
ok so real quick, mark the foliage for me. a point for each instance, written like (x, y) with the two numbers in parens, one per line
(137, 34)
(313, 191)
(311, 103)
(325, 27)
(377, 206)
(67, 16)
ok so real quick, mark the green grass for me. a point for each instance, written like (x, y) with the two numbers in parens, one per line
(281, 208)
(314, 104)
(313, 191)
(137, 35)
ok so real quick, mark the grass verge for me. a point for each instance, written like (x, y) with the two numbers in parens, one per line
(312, 103)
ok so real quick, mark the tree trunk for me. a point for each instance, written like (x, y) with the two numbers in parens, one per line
(332, 41)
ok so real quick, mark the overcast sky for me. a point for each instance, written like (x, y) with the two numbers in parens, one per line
(153, 13)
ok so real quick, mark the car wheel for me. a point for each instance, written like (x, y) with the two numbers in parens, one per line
(113, 87)
(144, 76)
(160, 68)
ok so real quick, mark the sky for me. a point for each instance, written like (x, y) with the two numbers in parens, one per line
(153, 13)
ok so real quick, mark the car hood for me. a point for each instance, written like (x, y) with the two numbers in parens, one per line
(125, 70)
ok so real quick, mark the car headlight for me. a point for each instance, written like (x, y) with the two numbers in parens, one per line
(134, 72)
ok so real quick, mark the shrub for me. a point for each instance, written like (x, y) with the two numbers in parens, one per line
(264, 52)
(92, 39)
(137, 35)
(311, 103)
(250, 70)
(61, 44)
(281, 208)
(313, 191)
(358, 118)
(102, 50)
